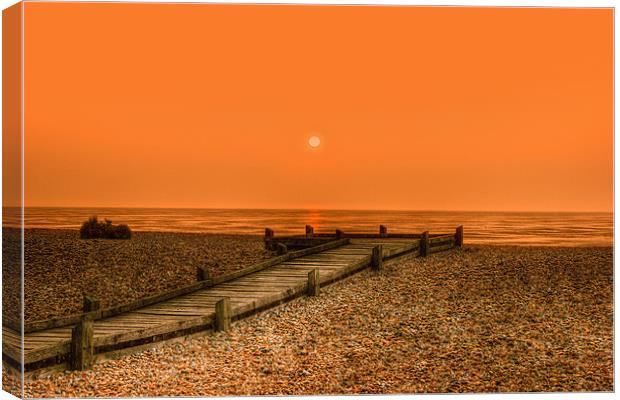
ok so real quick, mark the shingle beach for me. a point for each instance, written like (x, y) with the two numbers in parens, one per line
(480, 319)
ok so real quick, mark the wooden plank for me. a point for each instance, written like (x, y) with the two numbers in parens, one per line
(175, 313)
(353, 253)
(273, 281)
(318, 262)
(158, 330)
(238, 295)
(319, 249)
(13, 352)
(135, 317)
(327, 259)
(260, 278)
(174, 309)
(292, 273)
(441, 239)
(441, 248)
(324, 267)
(47, 352)
(250, 285)
(11, 337)
(245, 288)
(306, 268)
(266, 301)
(205, 303)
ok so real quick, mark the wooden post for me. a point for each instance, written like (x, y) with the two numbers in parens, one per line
(339, 233)
(222, 315)
(314, 283)
(382, 231)
(90, 303)
(424, 244)
(281, 248)
(377, 257)
(458, 236)
(268, 236)
(82, 346)
(309, 231)
(203, 274)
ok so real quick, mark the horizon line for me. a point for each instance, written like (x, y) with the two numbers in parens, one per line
(316, 209)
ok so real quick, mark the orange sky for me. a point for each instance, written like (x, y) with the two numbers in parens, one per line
(183, 105)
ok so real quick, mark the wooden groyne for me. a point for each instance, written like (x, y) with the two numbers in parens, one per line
(305, 264)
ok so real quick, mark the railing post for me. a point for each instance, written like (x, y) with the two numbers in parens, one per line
(309, 231)
(314, 283)
(382, 231)
(458, 236)
(339, 233)
(203, 274)
(377, 257)
(90, 303)
(424, 244)
(82, 344)
(281, 248)
(268, 236)
(222, 315)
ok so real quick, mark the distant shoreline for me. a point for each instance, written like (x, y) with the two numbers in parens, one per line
(249, 235)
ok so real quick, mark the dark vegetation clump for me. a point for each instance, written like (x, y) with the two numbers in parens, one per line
(93, 229)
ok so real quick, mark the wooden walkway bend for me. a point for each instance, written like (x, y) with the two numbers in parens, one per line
(196, 311)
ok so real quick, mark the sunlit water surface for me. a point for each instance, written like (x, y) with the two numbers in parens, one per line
(515, 228)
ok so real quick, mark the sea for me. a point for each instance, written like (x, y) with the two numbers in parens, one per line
(496, 228)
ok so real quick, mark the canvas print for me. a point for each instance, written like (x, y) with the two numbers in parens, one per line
(269, 199)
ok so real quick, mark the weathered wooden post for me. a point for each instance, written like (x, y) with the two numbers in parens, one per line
(309, 231)
(377, 258)
(203, 274)
(91, 303)
(458, 236)
(382, 231)
(82, 344)
(222, 315)
(424, 244)
(268, 236)
(281, 248)
(314, 283)
(339, 233)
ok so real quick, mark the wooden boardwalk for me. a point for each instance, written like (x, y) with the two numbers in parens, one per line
(195, 311)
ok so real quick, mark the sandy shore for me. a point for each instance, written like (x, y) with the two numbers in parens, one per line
(60, 266)
(483, 319)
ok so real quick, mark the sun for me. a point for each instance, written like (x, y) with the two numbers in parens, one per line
(314, 141)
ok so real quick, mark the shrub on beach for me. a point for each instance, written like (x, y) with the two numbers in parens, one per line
(94, 229)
